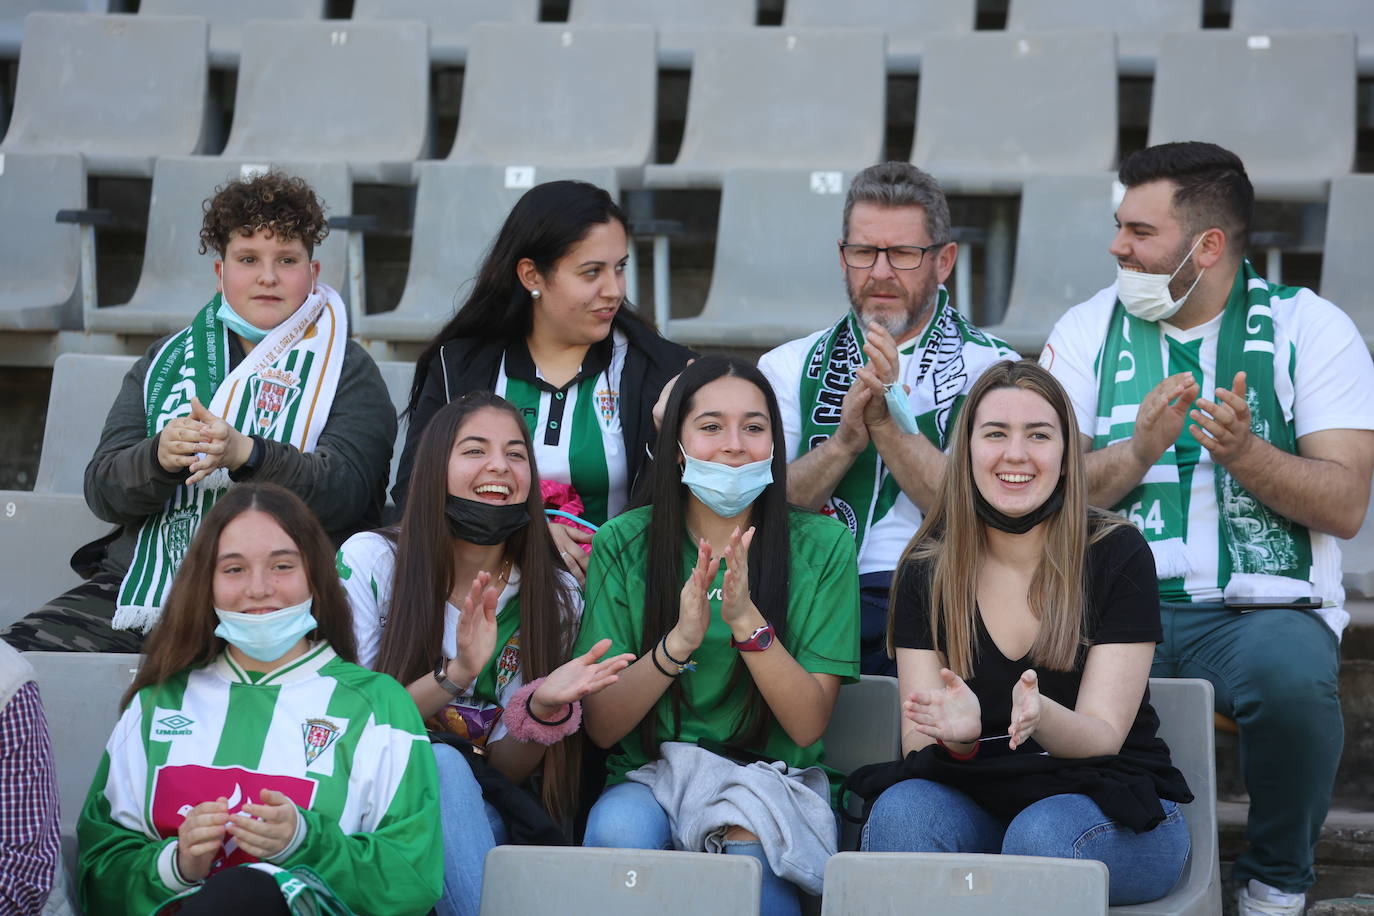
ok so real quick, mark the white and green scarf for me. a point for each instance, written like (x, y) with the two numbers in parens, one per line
(951, 354)
(1252, 539)
(282, 390)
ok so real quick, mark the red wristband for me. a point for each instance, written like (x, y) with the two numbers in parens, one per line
(956, 754)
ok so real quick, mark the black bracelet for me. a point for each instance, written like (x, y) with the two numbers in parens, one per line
(653, 655)
(529, 709)
(664, 643)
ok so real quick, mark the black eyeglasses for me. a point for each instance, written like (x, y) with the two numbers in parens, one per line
(901, 257)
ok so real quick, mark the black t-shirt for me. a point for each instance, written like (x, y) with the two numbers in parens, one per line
(1122, 607)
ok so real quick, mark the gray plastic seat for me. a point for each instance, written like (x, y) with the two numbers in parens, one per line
(14, 12)
(1304, 81)
(120, 90)
(1357, 560)
(1061, 254)
(1139, 27)
(1186, 714)
(450, 21)
(227, 19)
(1344, 258)
(1265, 15)
(458, 210)
(996, 108)
(865, 727)
(681, 26)
(176, 279)
(576, 881)
(909, 24)
(559, 96)
(777, 271)
(780, 99)
(354, 92)
(398, 376)
(40, 529)
(40, 258)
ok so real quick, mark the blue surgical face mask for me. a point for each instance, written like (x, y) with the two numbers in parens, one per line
(266, 637)
(237, 323)
(727, 491)
(900, 409)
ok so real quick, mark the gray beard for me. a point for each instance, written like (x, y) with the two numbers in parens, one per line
(898, 325)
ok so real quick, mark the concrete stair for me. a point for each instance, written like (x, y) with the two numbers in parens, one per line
(1345, 853)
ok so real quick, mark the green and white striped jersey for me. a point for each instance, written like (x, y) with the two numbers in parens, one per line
(345, 744)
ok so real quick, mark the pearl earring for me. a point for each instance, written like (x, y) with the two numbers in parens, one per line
(535, 294)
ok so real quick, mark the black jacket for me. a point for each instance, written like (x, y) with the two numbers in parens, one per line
(471, 364)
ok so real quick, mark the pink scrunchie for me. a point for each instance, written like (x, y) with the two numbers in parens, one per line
(562, 496)
(522, 726)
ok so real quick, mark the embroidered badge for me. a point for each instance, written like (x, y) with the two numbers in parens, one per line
(319, 734)
(274, 391)
(177, 530)
(608, 404)
(508, 663)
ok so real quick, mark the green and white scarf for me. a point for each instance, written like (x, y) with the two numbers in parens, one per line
(282, 390)
(951, 353)
(1252, 539)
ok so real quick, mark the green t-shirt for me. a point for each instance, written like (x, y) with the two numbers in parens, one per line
(822, 624)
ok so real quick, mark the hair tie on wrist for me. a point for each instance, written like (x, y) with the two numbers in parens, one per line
(960, 755)
(524, 725)
(689, 665)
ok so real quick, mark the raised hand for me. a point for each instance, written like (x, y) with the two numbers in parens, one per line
(736, 607)
(223, 446)
(1025, 708)
(476, 634)
(852, 434)
(881, 371)
(1224, 428)
(694, 610)
(951, 713)
(200, 837)
(577, 678)
(264, 830)
(1161, 416)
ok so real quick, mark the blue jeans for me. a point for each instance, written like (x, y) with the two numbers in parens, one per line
(626, 816)
(918, 815)
(467, 837)
(1275, 672)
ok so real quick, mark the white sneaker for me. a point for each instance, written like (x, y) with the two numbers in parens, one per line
(1259, 899)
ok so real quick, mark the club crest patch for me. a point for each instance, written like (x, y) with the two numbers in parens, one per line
(607, 404)
(319, 734)
(177, 530)
(273, 393)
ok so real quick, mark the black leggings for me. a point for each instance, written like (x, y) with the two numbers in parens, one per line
(237, 890)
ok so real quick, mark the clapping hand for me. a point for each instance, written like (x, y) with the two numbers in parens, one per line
(694, 609)
(736, 607)
(951, 713)
(577, 678)
(264, 830)
(1025, 708)
(476, 631)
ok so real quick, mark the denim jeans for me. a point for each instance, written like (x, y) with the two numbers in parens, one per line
(1275, 672)
(918, 815)
(626, 816)
(467, 837)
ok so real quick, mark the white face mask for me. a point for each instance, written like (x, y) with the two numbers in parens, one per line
(1146, 296)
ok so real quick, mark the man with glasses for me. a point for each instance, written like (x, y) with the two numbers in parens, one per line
(867, 403)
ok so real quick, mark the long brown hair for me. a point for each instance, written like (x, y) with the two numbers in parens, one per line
(952, 540)
(184, 635)
(425, 577)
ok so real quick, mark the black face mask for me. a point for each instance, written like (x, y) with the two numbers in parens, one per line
(484, 523)
(1018, 524)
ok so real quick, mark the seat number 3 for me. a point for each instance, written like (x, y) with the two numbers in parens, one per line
(631, 878)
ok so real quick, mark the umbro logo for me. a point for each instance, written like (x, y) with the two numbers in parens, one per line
(176, 724)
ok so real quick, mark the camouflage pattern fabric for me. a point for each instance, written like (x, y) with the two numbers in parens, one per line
(78, 620)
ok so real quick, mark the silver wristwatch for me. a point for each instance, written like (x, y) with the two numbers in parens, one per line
(441, 678)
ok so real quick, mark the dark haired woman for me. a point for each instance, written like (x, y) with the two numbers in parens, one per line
(467, 605)
(1024, 627)
(744, 614)
(252, 389)
(250, 736)
(545, 327)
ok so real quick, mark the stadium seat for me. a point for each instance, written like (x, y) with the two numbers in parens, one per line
(961, 884)
(1264, 15)
(777, 270)
(1185, 707)
(1061, 254)
(865, 727)
(227, 19)
(450, 21)
(354, 92)
(681, 26)
(575, 881)
(176, 279)
(1233, 88)
(398, 376)
(1357, 560)
(1139, 27)
(559, 96)
(780, 99)
(40, 258)
(458, 210)
(121, 90)
(40, 529)
(977, 137)
(909, 24)
(1343, 259)
(14, 12)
